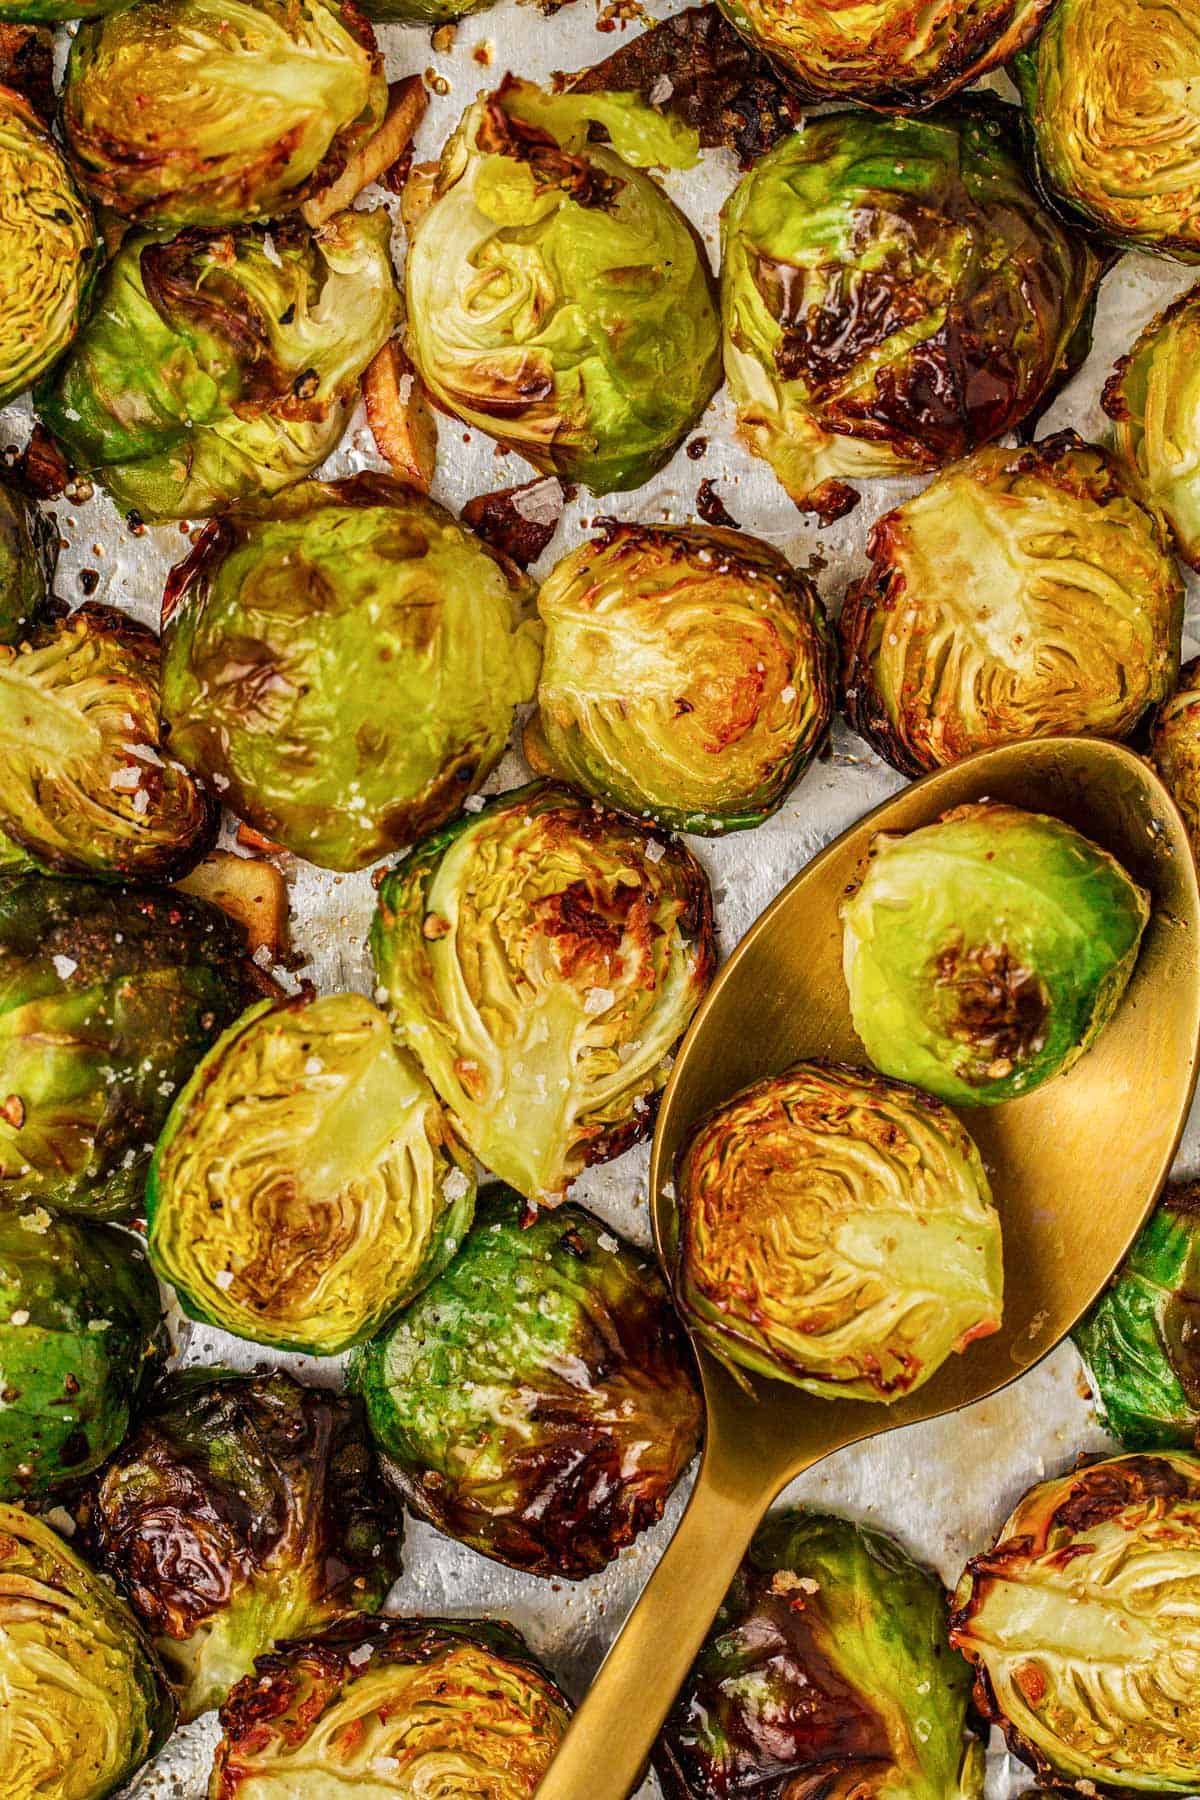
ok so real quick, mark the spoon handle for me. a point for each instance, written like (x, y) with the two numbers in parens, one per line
(603, 1756)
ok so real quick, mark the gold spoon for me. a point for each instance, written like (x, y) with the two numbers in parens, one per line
(1075, 1167)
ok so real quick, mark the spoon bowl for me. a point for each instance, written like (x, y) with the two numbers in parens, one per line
(1075, 1167)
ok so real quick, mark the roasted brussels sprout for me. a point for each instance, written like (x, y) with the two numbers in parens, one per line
(56, 12)
(836, 1230)
(1109, 93)
(48, 248)
(986, 952)
(894, 295)
(538, 1401)
(84, 1704)
(218, 369)
(556, 298)
(883, 55)
(1024, 593)
(1153, 398)
(190, 112)
(80, 1338)
(422, 12)
(686, 675)
(28, 547)
(243, 1509)
(1082, 1625)
(1141, 1341)
(345, 665)
(827, 1671)
(108, 999)
(84, 785)
(306, 1183)
(403, 1706)
(543, 958)
(1175, 747)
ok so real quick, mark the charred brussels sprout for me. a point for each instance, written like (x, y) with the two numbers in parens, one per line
(403, 1706)
(1175, 747)
(1141, 1341)
(28, 545)
(80, 1340)
(1153, 397)
(243, 1509)
(108, 999)
(537, 1402)
(56, 12)
(306, 1183)
(836, 1230)
(557, 299)
(48, 249)
(84, 1703)
(1025, 593)
(543, 958)
(894, 295)
(194, 112)
(986, 952)
(345, 665)
(1110, 94)
(218, 369)
(1082, 1625)
(422, 12)
(827, 1671)
(686, 675)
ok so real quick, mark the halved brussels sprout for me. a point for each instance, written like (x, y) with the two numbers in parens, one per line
(894, 295)
(543, 957)
(56, 12)
(1141, 1341)
(1153, 398)
(836, 1230)
(218, 369)
(1024, 593)
(686, 675)
(28, 551)
(108, 999)
(986, 952)
(1109, 91)
(81, 1337)
(1082, 1625)
(211, 112)
(393, 1706)
(243, 1509)
(827, 1672)
(883, 55)
(422, 12)
(84, 1703)
(538, 1401)
(48, 249)
(557, 299)
(344, 665)
(306, 1183)
(1175, 747)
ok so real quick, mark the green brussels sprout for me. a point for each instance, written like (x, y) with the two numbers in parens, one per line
(1141, 1341)
(56, 12)
(345, 665)
(220, 369)
(392, 1706)
(543, 957)
(1175, 747)
(28, 551)
(836, 1230)
(827, 1672)
(538, 1401)
(1081, 1623)
(306, 1183)
(108, 999)
(244, 1508)
(879, 54)
(986, 952)
(1154, 402)
(1108, 91)
(84, 1703)
(557, 299)
(212, 112)
(81, 1337)
(85, 787)
(422, 12)
(894, 296)
(1025, 593)
(686, 675)
(48, 248)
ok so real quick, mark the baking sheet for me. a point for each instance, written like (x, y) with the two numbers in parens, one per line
(943, 1487)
